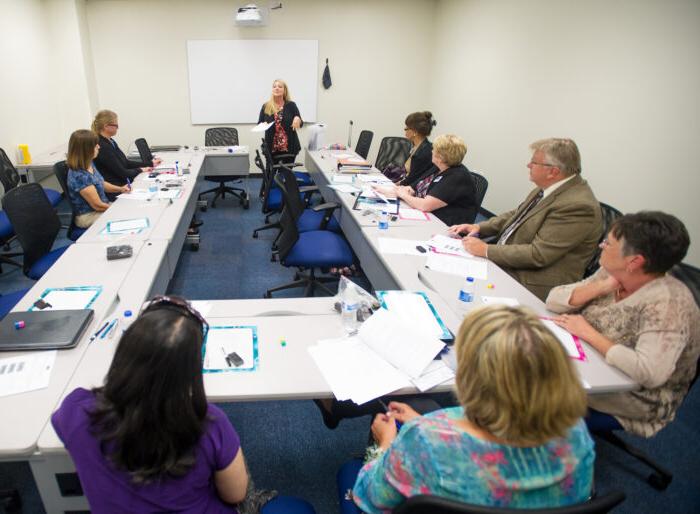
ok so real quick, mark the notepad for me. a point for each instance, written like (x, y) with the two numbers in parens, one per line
(457, 265)
(392, 245)
(448, 245)
(68, 298)
(384, 356)
(131, 226)
(363, 203)
(415, 308)
(224, 341)
(138, 194)
(570, 342)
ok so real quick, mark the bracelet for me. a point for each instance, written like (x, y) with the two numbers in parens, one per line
(373, 452)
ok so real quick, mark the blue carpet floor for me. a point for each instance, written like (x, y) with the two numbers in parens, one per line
(286, 444)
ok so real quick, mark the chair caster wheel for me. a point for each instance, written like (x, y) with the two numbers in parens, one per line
(267, 295)
(194, 247)
(658, 482)
(273, 258)
(255, 235)
(246, 204)
(203, 209)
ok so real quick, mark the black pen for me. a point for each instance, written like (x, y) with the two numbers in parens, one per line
(389, 413)
(94, 336)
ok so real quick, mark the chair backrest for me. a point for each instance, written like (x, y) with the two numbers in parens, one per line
(8, 173)
(287, 182)
(144, 150)
(289, 234)
(392, 150)
(35, 221)
(268, 175)
(364, 141)
(221, 136)
(426, 504)
(690, 276)
(610, 214)
(481, 185)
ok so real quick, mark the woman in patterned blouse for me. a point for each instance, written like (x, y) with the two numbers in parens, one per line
(86, 187)
(642, 321)
(517, 439)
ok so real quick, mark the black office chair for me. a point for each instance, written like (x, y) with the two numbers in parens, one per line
(144, 150)
(10, 179)
(224, 136)
(426, 504)
(318, 217)
(308, 251)
(364, 141)
(270, 194)
(36, 225)
(481, 185)
(661, 477)
(609, 214)
(60, 169)
(392, 150)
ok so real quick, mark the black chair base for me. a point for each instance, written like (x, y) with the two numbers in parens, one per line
(220, 192)
(5, 258)
(659, 479)
(309, 282)
(268, 226)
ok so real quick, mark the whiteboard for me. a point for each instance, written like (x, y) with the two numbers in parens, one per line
(231, 79)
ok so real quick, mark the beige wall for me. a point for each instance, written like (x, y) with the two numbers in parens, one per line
(620, 77)
(377, 58)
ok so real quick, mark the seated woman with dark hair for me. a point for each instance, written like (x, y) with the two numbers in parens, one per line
(148, 441)
(642, 320)
(517, 440)
(419, 164)
(449, 192)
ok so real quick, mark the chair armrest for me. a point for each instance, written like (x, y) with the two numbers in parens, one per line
(289, 165)
(306, 189)
(329, 207)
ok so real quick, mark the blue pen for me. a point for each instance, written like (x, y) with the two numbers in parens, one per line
(94, 336)
(128, 182)
(388, 412)
(111, 324)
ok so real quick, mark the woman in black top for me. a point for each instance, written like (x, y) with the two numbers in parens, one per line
(450, 193)
(111, 161)
(281, 137)
(419, 163)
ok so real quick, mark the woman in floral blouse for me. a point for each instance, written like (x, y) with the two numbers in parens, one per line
(281, 137)
(642, 321)
(517, 440)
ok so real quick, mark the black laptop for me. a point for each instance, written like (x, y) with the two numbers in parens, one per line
(44, 330)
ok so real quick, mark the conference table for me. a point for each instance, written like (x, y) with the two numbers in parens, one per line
(286, 327)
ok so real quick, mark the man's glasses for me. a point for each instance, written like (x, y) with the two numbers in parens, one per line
(182, 305)
(543, 164)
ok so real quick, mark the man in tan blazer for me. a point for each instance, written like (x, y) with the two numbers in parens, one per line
(549, 238)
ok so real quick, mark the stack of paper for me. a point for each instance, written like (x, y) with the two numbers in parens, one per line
(400, 246)
(385, 355)
(261, 127)
(457, 265)
(571, 343)
(414, 308)
(353, 165)
(138, 194)
(448, 245)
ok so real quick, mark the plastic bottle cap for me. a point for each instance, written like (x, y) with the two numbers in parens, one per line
(470, 279)
(128, 314)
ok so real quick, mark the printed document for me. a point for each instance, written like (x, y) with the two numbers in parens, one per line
(27, 372)
(457, 265)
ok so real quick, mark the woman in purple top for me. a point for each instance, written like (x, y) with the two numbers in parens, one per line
(148, 441)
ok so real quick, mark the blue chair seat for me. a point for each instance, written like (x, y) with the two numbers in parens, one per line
(319, 249)
(303, 178)
(44, 263)
(311, 220)
(54, 196)
(9, 300)
(6, 230)
(75, 232)
(287, 505)
(274, 199)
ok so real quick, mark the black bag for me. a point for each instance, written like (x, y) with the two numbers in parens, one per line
(394, 173)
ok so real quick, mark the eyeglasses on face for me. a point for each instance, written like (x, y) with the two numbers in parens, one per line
(181, 304)
(543, 164)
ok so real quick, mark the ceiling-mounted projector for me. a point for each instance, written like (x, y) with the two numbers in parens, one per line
(249, 16)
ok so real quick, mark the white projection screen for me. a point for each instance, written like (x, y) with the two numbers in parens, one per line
(231, 79)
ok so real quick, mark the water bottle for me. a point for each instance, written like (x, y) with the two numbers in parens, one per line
(349, 307)
(127, 320)
(466, 296)
(383, 221)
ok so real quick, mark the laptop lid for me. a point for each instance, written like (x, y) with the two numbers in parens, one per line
(44, 330)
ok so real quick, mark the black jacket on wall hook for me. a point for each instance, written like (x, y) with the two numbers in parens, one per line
(327, 82)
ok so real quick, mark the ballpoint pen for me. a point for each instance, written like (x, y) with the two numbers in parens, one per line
(109, 327)
(389, 413)
(94, 336)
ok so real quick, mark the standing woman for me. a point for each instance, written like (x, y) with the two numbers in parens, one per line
(419, 164)
(112, 162)
(281, 137)
(86, 187)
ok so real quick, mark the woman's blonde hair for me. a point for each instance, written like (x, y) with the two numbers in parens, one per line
(450, 148)
(81, 149)
(102, 119)
(514, 379)
(270, 106)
